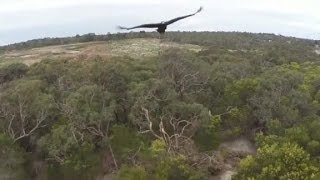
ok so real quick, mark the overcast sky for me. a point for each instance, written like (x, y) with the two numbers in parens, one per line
(22, 20)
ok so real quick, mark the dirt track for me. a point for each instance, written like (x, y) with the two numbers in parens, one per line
(240, 146)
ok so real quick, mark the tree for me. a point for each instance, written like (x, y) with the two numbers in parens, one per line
(69, 154)
(12, 160)
(278, 161)
(126, 144)
(185, 76)
(132, 173)
(12, 72)
(25, 107)
(176, 125)
(90, 110)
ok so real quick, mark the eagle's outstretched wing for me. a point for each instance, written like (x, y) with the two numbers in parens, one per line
(182, 17)
(141, 26)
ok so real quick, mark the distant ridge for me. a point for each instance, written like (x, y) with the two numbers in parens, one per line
(173, 36)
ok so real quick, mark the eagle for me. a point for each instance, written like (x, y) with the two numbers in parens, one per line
(161, 27)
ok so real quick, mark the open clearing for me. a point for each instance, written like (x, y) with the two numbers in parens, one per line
(135, 48)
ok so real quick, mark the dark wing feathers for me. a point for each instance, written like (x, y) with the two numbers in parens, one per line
(156, 25)
(141, 26)
(177, 19)
(182, 17)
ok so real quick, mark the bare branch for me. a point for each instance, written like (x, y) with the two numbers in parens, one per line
(135, 154)
(113, 157)
(146, 114)
(39, 122)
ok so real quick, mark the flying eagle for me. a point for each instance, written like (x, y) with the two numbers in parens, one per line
(161, 26)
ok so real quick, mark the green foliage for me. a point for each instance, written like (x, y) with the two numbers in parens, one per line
(175, 168)
(83, 162)
(73, 113)
(236, 122)
(26, 108)
(298, 134)
(12, 72)
(160, 164)
(239, 92)
(275, 127)
(313, 147)
(132, 173)
(90, 106)
(60, 142)
(72, 158)
(12, 160)
(208, 136)
(278, 161)
(305, 134)
(158, 147)
(125, 142)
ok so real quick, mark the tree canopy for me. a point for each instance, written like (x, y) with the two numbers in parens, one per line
(165, 116)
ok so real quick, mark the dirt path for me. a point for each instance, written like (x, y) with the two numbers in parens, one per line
(237, 147)
(240, 145)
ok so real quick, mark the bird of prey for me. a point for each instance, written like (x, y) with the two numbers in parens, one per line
(161, 26)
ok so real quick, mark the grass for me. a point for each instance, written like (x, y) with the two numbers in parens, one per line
(135, 48)
(4, 62)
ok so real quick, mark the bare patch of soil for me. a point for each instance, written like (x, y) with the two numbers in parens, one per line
(233, 151)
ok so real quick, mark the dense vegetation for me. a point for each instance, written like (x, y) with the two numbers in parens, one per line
(164, 117)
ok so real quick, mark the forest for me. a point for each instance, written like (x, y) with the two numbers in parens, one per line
(164, 117)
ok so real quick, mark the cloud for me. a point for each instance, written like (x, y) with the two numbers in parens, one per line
(42, 18)
(31, 5)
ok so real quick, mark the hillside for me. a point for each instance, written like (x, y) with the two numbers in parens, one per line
(195, 105)
(135, 48)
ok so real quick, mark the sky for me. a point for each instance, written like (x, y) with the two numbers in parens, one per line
(22, 20)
